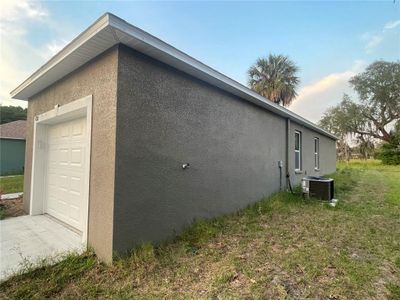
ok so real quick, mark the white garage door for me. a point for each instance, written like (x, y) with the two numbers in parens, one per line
(65, 171)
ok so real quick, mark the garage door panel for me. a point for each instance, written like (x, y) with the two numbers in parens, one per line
(53, 135)
(75, 194)
(76, 185)
(75, 213)
(62, 196)
(55, 206)
(63, 156)
(52, 200)
(52, 179)
(77, 154)
(78, 129)
(63, 182)
(64, 130)
(66, 171)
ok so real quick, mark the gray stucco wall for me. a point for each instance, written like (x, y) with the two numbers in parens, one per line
(327, 159)
(166, 118)
(148, 120)
(99, 79)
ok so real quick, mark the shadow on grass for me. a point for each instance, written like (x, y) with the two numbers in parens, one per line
(48, 281)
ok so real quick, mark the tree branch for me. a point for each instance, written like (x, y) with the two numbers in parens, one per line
(370, 133)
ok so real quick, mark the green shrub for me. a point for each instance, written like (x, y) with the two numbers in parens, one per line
(390, 153)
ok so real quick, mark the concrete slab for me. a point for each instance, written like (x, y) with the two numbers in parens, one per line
(11, 196)
(27, 240)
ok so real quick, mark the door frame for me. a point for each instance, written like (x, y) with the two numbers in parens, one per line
(70, 111)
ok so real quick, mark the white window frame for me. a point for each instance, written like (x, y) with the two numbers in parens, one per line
(297, 169)
(316, 153)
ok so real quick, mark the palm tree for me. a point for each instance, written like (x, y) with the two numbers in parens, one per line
(275, 79)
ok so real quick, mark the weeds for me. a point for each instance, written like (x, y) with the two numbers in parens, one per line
(280, 247)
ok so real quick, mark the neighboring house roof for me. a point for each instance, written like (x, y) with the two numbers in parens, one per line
(110, 30)
(13, 130)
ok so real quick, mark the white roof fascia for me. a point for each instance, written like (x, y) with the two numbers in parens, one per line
(146, 43)
(100, 24)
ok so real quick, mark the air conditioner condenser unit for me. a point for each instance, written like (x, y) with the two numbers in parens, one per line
(318, 187)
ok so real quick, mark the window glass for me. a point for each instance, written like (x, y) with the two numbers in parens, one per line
(297, 150)
(316, 153)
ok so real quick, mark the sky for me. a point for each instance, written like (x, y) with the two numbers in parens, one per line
(329, 41)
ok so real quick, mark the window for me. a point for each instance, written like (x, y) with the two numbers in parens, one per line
(297, 150)
(316, 153)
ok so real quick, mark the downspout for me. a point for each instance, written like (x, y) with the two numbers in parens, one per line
(288, 184)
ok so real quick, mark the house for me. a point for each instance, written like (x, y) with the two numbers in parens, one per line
(129, 139)
(12, 148)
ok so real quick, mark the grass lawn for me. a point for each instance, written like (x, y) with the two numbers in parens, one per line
(11, 184)
(282, 247)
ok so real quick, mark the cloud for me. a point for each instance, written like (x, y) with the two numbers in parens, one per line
(53, 48)
(391, 25)
(17, 56)
(373, 39)
(12, 10)
(315, 98)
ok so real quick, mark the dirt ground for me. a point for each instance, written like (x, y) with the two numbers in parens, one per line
(11, 208)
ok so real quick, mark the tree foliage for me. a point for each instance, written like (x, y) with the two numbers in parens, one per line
(365, 146)
(369, 120)
(12, 113)
(378, 89)
(340, 120)
(275, 78)
(389, 153)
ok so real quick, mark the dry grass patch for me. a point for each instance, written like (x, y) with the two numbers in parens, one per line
(11, 208)
(282, 247)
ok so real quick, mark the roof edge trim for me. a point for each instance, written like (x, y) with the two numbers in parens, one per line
(100, 24)
(191, 65)
(244, 92)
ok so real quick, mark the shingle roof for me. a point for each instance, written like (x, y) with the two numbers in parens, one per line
(13, 130)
